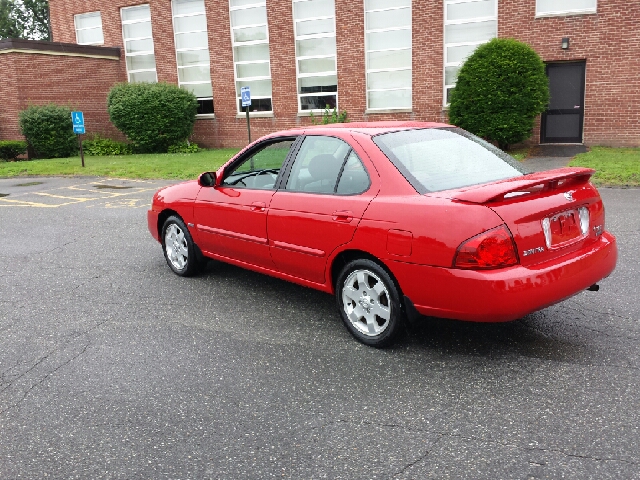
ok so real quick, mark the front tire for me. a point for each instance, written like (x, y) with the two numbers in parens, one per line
(369, 303)
(179, 249)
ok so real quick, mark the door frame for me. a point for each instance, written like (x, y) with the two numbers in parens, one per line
(543, 121)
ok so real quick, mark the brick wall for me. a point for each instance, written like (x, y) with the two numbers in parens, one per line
(35, 78)
(9, 99)
(608, 40)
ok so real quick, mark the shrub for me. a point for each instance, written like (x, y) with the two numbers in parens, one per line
(184, 147)
(330, 116)
(49, 131)
(152, 115)
(99, 146)
(500, 90)
(12, 149)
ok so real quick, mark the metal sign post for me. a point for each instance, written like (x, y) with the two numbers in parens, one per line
(245, 94)
(77, 118)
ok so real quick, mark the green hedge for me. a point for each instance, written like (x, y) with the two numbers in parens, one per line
(153, 116)
(49, 131)
(184, 147)
(99, 146)
(500, 90)
(12, 149)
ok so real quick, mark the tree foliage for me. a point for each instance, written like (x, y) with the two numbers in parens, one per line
(500, 90)
(35, 19)
(153, 116)
(10, 26)
(49, 130)
(28, 19)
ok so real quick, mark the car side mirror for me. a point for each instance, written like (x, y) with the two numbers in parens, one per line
(207, 179)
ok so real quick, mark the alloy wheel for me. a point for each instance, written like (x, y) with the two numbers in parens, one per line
(175, 244)
(366, 301)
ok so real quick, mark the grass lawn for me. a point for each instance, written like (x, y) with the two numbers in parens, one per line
(519, 153)
(167, 165)
(614, 166)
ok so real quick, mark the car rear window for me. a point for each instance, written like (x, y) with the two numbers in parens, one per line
(436, 159)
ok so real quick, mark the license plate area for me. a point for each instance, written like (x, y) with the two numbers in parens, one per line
(562, 228)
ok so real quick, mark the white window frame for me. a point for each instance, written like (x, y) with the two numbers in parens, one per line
(257, 3)
(124, 42)
(376, 70)
(494, 17)
(180, 50)
(314, 57)
(557, 13)
(75, 24)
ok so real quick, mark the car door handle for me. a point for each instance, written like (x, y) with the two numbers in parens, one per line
(343, 216)
(258, 207)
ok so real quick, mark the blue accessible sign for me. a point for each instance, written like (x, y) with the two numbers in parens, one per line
(78, 122)
(245, 94)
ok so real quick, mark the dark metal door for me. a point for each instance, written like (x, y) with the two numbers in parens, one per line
(564, 118)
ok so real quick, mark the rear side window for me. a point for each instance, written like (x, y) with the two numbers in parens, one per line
(354, 178)
(437, 159)
(327, 165)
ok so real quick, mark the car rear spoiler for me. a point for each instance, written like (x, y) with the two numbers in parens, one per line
(534, 182)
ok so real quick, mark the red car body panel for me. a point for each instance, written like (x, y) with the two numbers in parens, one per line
(297, 236)
(177, 198)
(238, 228)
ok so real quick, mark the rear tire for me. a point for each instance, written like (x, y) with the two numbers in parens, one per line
(179, 250)
(369, 303)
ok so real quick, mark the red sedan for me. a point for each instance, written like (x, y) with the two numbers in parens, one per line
(396, 219)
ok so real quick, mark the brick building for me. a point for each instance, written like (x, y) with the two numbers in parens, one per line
(376, 59)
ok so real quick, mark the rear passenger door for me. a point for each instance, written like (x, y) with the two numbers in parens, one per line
(318, 206)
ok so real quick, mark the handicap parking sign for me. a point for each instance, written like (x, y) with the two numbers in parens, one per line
(245, 94)
(78, 122)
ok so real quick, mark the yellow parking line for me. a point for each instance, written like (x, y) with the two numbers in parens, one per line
(105, 198)
(65, 198)
(22, 203)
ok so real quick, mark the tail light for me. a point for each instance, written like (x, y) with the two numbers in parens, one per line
(491, 249)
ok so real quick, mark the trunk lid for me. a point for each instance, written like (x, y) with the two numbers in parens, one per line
(545, 212)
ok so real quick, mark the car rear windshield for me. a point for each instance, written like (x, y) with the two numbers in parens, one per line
(436, 159)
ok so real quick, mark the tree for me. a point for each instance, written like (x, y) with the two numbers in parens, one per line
(10, 26)
(500, 90)
(35, 19)
(28, 19)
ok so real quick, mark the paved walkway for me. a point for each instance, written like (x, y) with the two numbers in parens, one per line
(551, 156)
(539, 164)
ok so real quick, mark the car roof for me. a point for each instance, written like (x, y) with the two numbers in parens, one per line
(368, 128)
(375, 128)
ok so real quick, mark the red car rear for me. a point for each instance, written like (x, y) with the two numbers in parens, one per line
(395, 219)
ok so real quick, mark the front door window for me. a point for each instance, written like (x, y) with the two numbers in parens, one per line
(259, 170)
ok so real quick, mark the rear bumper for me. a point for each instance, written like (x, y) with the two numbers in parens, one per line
(152, 223)
(509, 293)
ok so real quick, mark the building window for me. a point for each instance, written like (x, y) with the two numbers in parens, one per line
(564, 7)
(388, 53)
(250, 39)
(192, 51)
(138, 44)
(467, 24)
(89, 28)
(315, 32)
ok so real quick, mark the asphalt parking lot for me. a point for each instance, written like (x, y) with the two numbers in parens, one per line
(113, 367)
